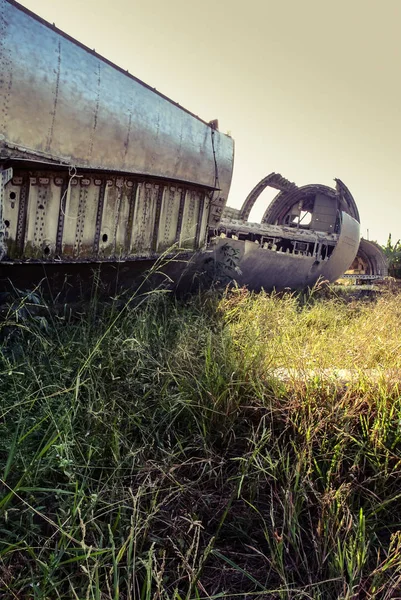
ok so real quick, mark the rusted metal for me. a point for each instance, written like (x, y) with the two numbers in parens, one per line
(132, 188)
(290, 195)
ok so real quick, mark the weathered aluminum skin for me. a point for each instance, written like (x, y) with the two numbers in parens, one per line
(62, 102)
(52, 216)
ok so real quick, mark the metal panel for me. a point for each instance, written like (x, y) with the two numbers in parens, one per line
(5, 176)
(102, 183)
(190, 219)
(324, 214)
(51, 215)
(113, 232)
(265, 268)
(131, 195)
(121, 217)
(144, 219)
(42, 218)
(157, 217)
(22, 216)
(183, 193)
(345, 250)
(203, 224)
(62, 182)
(80, 219)
(61, 101)
(169, 218)
(11, 206)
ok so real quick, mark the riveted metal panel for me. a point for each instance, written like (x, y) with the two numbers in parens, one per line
(157, 217)
(102, 184)
(5, 177)
(115, 220)
(11, 205)
(169, 218)
(22, 216)
(183, 194)
(144, 219)
(190, 219)
(80, 220)
(203, 222)
(42, 218)
(121, 218)
(199, 221)
(62, 183)
(54, 215)
(132, 190)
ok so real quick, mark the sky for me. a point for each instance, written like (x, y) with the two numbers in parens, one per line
(310, 89)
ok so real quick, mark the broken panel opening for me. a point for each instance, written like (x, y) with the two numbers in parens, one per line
(300, 215)
(263, 200)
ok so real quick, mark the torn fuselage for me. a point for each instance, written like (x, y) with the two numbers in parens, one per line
(369, 264)
(307, 233)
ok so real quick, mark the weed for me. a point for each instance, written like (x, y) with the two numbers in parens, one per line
(227, 446)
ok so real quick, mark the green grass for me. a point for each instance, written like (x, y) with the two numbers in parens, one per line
(154, 450)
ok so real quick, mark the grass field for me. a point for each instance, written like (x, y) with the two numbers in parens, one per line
(206, 448)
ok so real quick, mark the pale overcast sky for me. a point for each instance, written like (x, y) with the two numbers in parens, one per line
(307, 88)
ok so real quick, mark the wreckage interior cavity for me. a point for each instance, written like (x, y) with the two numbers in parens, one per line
(309, 208)
(314, 222)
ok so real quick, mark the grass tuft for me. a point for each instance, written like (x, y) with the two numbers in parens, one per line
(227, 446)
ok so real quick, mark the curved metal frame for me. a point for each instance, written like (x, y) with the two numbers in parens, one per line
(290, 194)
(273, 180)
(373, 257)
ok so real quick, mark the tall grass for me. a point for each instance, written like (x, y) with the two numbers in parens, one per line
(170, 449)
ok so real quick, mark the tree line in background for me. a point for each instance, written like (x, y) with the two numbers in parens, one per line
(393, 253)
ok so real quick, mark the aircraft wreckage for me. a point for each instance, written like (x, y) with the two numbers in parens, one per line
(306, 233)
(98, 167)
